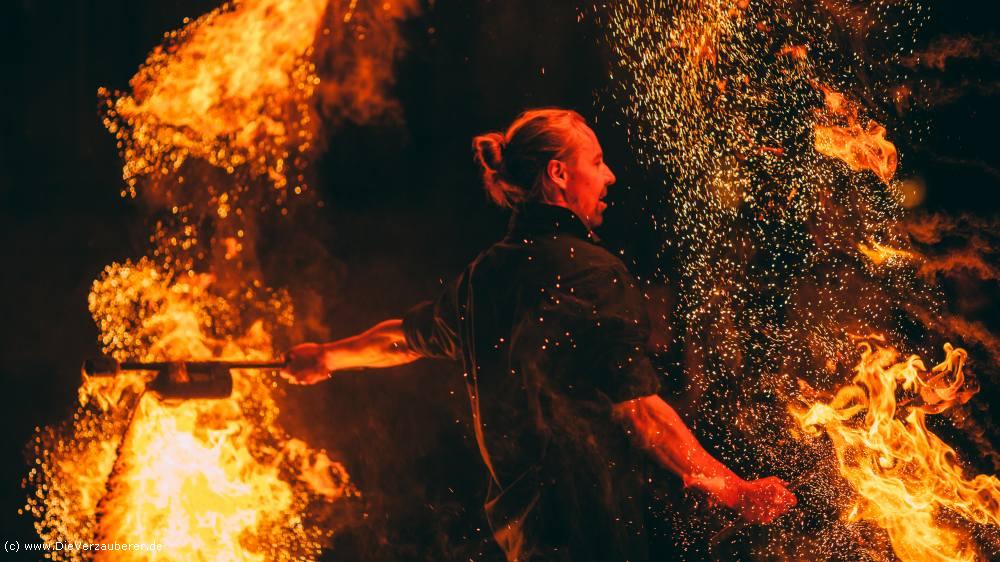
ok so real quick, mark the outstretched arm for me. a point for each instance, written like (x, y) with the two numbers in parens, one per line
(383, 345)
(656, 427)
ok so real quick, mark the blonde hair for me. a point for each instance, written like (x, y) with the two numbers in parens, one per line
(514, 163)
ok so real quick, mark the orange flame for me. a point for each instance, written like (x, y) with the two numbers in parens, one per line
(861, 148)
(227, 105)
(905, 477)
(207, 479)
(880, 254)
(238, 94)
(799, 52)
(704, 27)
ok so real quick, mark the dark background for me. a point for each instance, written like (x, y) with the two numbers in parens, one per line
(403, 211)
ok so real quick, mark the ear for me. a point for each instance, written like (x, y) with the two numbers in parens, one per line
(557, 173)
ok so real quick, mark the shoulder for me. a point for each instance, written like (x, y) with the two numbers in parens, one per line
(584, 271)
(551, 262)
(571, 255)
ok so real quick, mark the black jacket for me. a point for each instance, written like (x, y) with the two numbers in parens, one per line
(552, 330)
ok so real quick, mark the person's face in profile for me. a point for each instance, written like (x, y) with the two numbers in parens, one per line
(586, 179)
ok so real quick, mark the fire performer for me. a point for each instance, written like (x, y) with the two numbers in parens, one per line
(552, 331)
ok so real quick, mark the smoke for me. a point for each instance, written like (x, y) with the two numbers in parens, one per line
(946, 49)
(961, 252)
(356, 52)
(969, 261)
(931, 92)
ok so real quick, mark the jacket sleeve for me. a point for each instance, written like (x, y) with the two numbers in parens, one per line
(433, 328)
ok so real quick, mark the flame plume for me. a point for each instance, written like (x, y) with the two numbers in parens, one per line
(239, 95)
(861, 148)
(904, 476)
(208, 479)
(880, 254)
(217, 135)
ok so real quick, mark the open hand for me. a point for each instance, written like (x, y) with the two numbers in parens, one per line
(764, 500)
(306, 364)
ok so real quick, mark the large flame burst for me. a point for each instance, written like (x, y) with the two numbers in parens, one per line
(906, 479)
(217, 134)
(207, 479)
(784, 230)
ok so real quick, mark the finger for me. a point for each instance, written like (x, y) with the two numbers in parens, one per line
(317, 377)
(296, 374)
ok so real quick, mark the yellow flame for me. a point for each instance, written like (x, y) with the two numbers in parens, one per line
(905, 477)
(703, 31)
(232, 88)
(860, 147)
(229, 104)
(212, 480)
(880, 254)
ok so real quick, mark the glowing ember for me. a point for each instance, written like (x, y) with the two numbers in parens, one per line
(905, 477)
(794, 51)
(762, 229)
(861, 148)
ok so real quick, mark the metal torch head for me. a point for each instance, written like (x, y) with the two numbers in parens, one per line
(185, 381)
(174, 380)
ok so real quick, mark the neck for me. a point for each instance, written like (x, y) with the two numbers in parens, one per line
(561, 202)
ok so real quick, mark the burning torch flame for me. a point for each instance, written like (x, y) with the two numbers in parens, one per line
(238, 94)
(211, 480)
(904, 475)
(880, 254)
(225, 107)
(860, 147)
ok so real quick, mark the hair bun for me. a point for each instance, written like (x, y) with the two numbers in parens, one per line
(489, 149)
(513, 162)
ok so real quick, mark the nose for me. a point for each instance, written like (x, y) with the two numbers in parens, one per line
(611, 175)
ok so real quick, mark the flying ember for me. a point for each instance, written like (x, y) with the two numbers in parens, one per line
(214, 479)
(784, 231)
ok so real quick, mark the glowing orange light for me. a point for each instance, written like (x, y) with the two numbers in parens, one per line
(860, 147)
(208, 479)
(904, 476)
(880, 254)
